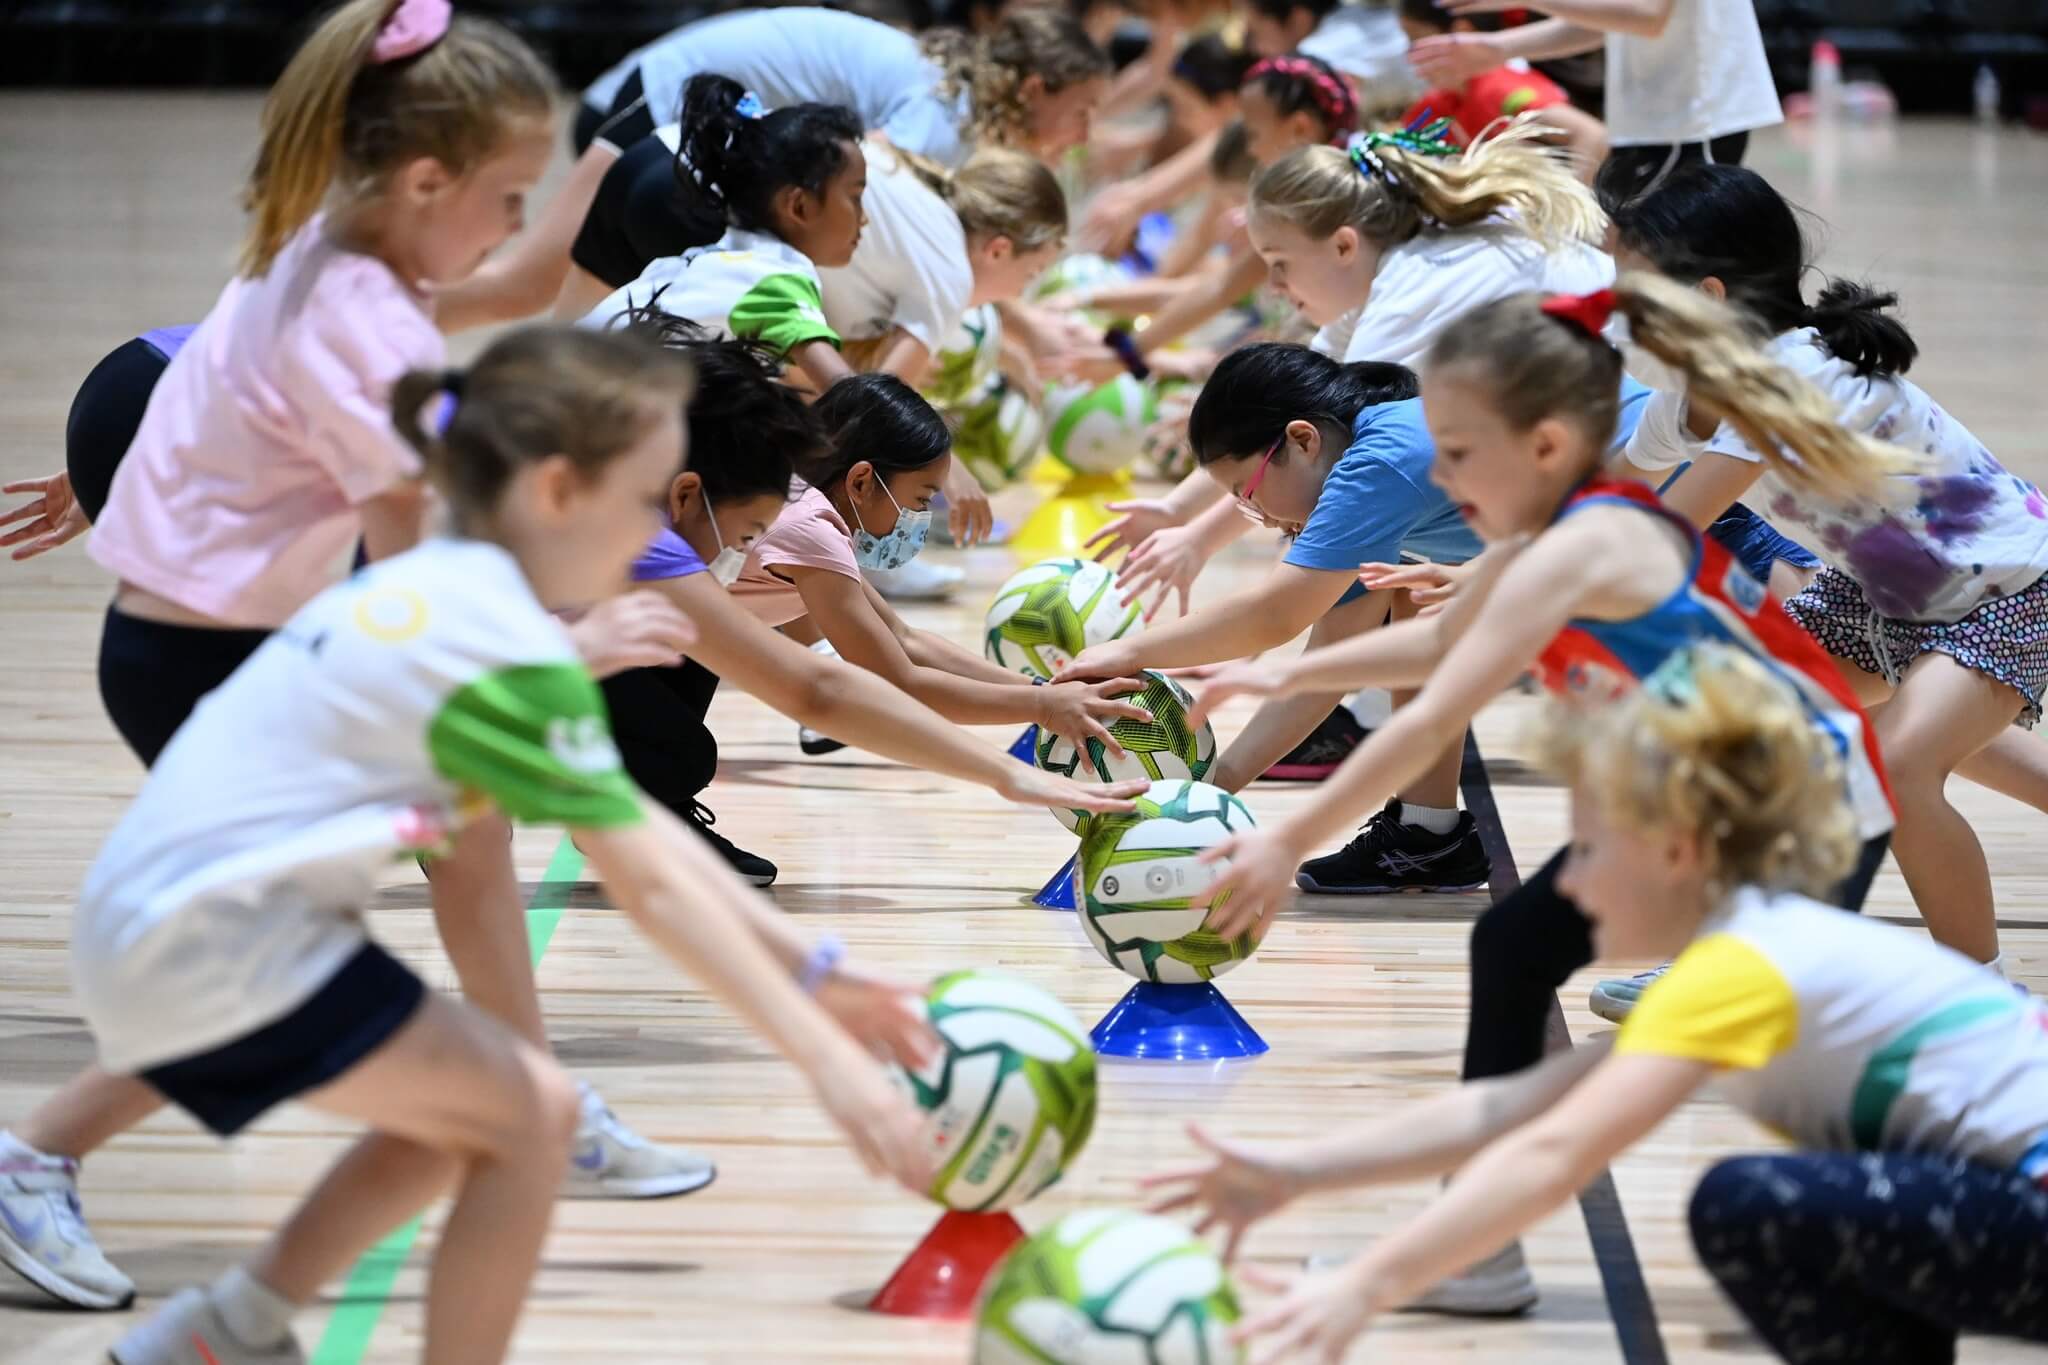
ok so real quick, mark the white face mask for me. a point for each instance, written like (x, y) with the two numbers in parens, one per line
(1642, 366)
(725, 566)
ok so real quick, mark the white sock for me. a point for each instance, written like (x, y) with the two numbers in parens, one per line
(1432, 818)
(1997, 964)
(252, 1310)
(1371, 707)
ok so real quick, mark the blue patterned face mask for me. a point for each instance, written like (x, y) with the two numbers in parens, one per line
(897, 548)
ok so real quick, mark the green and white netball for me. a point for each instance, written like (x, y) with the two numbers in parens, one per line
(966, 359)
(1010, 1098)
(1108, 1287)
(1144, 897)
(1000, 433)
(1099, 429)
(1165, 746)
(1050, 612)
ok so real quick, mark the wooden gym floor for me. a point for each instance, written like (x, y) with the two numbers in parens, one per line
(120, 216)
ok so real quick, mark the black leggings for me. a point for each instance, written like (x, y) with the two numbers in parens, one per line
(1876, 1258)
(152, 674)
(658, 724)
(104, 417)
(1529, 943)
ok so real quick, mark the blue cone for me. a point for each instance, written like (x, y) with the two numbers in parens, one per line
(1058, 894)
(1157, 1022)
(1026, 747)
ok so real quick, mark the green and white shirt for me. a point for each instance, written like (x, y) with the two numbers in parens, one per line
(1845, 1034)
(746, 284)
(380, 717)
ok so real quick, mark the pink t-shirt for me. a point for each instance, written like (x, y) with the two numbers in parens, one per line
(806, 534)
(238, 497)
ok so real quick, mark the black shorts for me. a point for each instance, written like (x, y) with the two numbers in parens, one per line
(104, 417)
(1630, 172)
(640, 214)
(622, 123)
(359, 1009)
(153, 673)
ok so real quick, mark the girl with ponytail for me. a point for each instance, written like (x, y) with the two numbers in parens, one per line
(1588, 581)
(1934, 601)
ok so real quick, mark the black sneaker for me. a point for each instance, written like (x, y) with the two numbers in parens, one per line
(1388, 856)
(752, 868)
(1328, 745)
(814, 744)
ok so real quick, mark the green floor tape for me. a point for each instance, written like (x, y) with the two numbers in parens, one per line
(368, 1287)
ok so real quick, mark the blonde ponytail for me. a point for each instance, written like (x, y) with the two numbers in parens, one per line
(334, 117)
(998, 193)
(1784, 419)
(1712, 744)
(1389, 188)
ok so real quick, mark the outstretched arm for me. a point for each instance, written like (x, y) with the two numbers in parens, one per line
(526, 279)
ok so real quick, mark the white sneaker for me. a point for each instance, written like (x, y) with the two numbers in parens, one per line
(1614, 998)
(188, 1330)
(1498, 1287)
(43, 1236)
(611, 1161)
(917, 581)
(811, 741)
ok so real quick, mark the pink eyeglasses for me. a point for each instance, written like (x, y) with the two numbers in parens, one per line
(1244, 499)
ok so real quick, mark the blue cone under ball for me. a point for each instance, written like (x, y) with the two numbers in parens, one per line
(1026, 747)
(1158, 1022)
(1058, 894)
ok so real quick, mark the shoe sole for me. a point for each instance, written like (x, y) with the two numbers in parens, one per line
(666, 1188)
(1509, 1297)
(816, 747)
(1308, 883)
(1609, 1007)
(16, 1258)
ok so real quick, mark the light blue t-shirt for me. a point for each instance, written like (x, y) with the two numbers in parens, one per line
(1378, 502)
(798, 55)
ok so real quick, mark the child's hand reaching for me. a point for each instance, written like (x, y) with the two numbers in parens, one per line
(1255, 883)
(1029, 785)
(1079, 711)
(1316, 1318)
(639, 629)
(1427, 585)
(1248, 678)
(1238, 1185)
(1110, 659)
(48, 520)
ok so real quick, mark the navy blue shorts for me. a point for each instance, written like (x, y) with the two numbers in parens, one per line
(354, 1014)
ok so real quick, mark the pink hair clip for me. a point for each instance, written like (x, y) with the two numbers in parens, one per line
(413, 27)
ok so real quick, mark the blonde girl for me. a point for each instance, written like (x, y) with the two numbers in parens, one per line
(219, 948)
(1592, 583)
(1911, 1083)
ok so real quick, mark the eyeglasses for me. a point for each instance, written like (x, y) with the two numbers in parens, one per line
(1251, 486)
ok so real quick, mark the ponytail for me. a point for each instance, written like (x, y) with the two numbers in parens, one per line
(878, 419)
(1298, 83)
(991, 69)
(1787, 421)
(1255, 391)
(998, 193)
(734, 157)
(1390, 187)
(338, 114)
(1727, 223)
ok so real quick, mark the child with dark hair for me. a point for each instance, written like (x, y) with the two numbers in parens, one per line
(1512, 88)
(1361, 41)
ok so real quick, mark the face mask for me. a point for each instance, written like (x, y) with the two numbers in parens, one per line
(897, 548)
(1642, 366)
(725, 566)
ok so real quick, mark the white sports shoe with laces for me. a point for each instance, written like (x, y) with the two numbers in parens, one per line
(189, 1330)
(43, 1236)
(611, 1161)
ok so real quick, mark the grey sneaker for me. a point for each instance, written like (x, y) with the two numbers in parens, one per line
(188, 1330)
(1613, 998)
(611, 1161)
(43, 1236)
(1498, 1287)
(917, 581)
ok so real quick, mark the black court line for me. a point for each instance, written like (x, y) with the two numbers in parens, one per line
(1614, 1251)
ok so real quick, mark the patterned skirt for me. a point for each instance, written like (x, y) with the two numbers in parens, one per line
(2005, 638)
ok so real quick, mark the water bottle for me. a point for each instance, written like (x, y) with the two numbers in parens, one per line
(1984, 95)
(1824, 79)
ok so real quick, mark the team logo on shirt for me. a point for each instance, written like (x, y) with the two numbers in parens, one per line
(391, 616)
(582, 744)
(1742, 589)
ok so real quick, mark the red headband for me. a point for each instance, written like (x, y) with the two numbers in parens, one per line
(1589, 311)
(1333, 98)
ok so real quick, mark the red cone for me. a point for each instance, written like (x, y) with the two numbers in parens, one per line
(941, 1278)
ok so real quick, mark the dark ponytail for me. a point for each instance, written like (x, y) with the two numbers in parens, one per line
(1727, 222)
(731, 165)
(882, 420)
(1255, 392)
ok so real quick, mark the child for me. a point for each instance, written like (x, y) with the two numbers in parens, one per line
(1363, 42)
(868, 508)
(1913, 1085)
(1934, 599)
(779, 186)
(1029, 82)
(748, 435)
(219, 951)
(1475, 104)
(1338, 457)
(1521, 397)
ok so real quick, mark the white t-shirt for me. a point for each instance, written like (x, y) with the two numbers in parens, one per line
(381, 716)
(1941, 541)
(800, 55)
(746, 284)
(1847, 1034)
(1431, 280)
(1365, 43)
(1703, 77)
(911, 268)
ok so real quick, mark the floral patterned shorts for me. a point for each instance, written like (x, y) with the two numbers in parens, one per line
(2005, 638)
